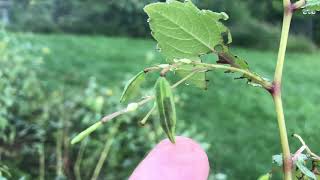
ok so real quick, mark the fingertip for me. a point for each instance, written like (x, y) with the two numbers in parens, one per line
(184, 160)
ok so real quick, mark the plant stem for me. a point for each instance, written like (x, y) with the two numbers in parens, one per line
(42, 162)
(144, 101)
(299, 4)
(105, 151)
(276, 92)
(283, 44)
(255, 78)
(287, 162)
(77, 164)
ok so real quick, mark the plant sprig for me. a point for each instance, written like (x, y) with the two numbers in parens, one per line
(184, 33)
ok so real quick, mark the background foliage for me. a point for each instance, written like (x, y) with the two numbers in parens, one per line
(229, 118)
(54, 85)
(126, 18)
(37, 121)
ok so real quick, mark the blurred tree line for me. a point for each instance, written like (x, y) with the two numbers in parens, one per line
(250, 20)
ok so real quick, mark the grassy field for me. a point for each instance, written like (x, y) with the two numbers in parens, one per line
(238, 119)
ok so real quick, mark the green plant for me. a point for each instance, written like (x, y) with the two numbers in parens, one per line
(184, 34)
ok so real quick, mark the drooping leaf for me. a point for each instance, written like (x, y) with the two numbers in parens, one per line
(184, 31)
(304, 170)
(196, 79)
(132, 86)
(312, 5)
(166, 107)
(86, 133)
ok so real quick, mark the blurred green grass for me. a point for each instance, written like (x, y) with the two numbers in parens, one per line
(238, 119)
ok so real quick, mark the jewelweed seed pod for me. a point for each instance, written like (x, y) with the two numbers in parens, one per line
(166, 107)
(132, 86)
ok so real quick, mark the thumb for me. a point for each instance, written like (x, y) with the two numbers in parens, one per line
(184, 160)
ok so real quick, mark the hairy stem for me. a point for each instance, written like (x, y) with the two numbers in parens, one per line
(276, 93)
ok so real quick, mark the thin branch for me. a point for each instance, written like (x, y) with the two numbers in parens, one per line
(150, 69)
(255, 78)
(307, 148)
(276, 90)
(145, 119)
(298, 153)
(144, 101)
(299, 4)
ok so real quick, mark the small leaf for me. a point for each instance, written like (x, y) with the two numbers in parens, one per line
(132, 86)
(277, 159)
(265, 177)
(86, 133)
(198, 79)
(301, 165)
(166, 107)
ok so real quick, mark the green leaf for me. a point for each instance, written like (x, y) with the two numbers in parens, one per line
(184, 31)
(301, 165)
(277, 159)
(166, 107)
(226, 57)
(265, 177)
(132, 86)
(197, 79)
(312, 5)
(86, 133)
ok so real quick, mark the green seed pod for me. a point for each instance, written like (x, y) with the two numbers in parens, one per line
(86, 132)
(166, 107)
(132, 87)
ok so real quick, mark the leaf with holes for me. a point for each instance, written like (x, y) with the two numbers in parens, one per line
(166, 107)
(184, 31)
